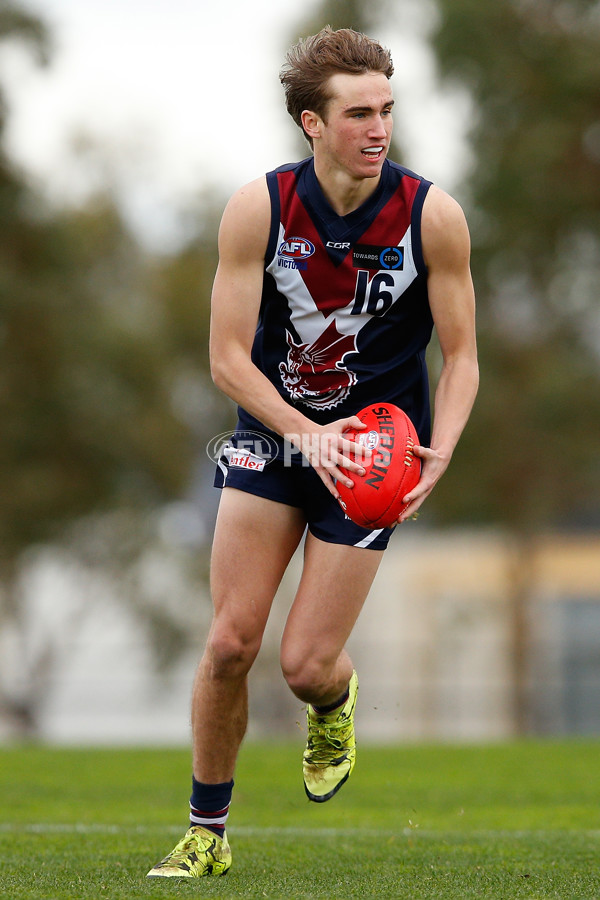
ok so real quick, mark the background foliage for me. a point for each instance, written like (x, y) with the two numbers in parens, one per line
(533, 196)
(105, 399)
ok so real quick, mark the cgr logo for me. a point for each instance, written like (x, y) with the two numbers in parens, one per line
(338, 245)
(296, 248)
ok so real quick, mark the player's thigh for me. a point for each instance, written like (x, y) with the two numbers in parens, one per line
(253, 543)
(335, 581)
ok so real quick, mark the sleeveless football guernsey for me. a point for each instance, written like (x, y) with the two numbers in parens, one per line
(345, 317)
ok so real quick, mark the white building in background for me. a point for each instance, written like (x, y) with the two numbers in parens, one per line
(459, 630)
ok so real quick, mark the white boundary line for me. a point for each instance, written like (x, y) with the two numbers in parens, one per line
(288, 831)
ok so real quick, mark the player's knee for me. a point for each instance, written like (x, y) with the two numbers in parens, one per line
(231, 653)
(306, 678)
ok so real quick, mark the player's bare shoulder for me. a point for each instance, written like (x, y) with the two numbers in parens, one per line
(444, 229)
(246, 220)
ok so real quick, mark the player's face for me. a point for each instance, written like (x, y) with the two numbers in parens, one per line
(357, 129)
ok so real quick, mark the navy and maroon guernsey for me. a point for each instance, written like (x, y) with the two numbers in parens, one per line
(345, 317)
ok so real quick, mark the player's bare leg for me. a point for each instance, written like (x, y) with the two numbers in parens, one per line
(253, 544)
(254, 541)
(332, 591)
(334, 585)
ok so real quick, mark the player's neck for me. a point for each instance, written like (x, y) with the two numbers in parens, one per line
(344, 193)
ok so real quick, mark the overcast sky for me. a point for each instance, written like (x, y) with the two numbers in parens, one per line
(180, 94)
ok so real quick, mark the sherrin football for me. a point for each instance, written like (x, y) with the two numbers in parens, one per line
(376, 500)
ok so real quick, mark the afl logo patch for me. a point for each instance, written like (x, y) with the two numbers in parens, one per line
(296, 248)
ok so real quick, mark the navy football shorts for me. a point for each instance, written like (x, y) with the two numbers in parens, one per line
(300, 486)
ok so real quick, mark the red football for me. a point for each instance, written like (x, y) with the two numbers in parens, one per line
(376, 500)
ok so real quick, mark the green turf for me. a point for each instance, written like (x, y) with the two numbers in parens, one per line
(519, 820)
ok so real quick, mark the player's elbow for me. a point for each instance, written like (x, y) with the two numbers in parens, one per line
(463, 364)
(228, 358)
(217, 372)
(471, 367)
(221, 369)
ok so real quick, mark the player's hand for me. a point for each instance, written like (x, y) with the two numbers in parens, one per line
(326, 448)
(433, 466)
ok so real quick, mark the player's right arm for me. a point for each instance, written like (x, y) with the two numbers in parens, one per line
(446, 248)
(235, 308)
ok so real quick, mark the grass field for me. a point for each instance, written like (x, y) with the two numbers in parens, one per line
(513, 821)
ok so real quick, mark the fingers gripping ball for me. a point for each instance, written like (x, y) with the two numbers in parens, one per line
(376, 500)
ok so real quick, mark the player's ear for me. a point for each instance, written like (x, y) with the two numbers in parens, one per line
(311, 123)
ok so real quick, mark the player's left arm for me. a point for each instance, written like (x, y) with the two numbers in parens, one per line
(447, 249)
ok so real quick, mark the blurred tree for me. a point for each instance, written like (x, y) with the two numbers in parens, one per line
(529, 458)
(86, 409)
(104, 392)
(533, 196)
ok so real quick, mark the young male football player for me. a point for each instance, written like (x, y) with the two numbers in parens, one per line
(332, 273)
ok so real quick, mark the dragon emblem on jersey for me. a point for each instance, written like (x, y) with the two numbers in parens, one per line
(315, 373)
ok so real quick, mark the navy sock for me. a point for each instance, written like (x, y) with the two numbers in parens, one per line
(209, 805)
(324, 710)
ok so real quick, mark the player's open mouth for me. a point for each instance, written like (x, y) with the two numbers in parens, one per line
(372, 152)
